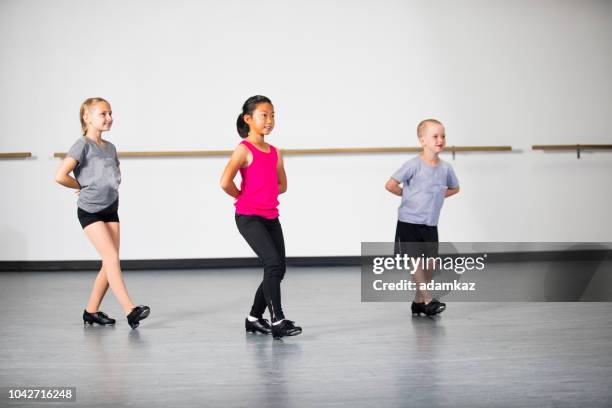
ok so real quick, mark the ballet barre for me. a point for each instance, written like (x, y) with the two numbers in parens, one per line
(576, 147)
(15, 155)
(344, 150)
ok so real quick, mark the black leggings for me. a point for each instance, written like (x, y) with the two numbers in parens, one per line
(265, 237)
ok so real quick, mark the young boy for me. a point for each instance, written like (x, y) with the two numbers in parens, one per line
(427, 181)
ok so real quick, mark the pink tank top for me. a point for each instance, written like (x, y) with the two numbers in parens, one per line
(259, 186)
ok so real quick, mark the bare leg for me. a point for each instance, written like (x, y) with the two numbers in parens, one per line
(100, 235)
(97, 292)
(101, 283)
(420, 277)
(423, 276)
(427, 276)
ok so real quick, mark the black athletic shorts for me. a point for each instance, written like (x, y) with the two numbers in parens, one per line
(416, 239)
(109, 214)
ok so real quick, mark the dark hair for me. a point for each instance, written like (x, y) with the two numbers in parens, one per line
(247, 109)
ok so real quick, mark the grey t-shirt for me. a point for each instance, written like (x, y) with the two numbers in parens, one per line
(423, 190)
(97, 172)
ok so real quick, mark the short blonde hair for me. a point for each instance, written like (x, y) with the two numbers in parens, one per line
(87, 103)
(426, 122)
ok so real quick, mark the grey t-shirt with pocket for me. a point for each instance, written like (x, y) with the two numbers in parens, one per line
(424, 187)
(97, 172)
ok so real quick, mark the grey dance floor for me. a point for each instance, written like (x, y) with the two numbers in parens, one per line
(193, 351)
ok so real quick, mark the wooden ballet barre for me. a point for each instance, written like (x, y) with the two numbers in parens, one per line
(576, 147)
(345, 150)
(189, 153)
(16, 155)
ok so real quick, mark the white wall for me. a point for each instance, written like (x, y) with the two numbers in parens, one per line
(341, 74)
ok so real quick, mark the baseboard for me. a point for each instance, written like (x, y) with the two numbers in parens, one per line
(160, 264)
(596, 255)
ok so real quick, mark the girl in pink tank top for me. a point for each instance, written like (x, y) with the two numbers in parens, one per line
(263, 179)
(259, 188)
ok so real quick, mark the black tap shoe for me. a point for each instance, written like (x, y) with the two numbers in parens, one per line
(260, 325)
(99, 317)
(285, 328)
(137, 314)
(432, 308)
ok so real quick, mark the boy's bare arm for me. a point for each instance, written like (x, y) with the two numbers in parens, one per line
(394, 187)
(451, 191)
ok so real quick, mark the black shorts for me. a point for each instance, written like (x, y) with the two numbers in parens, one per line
(416, 239)
(109, 214)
